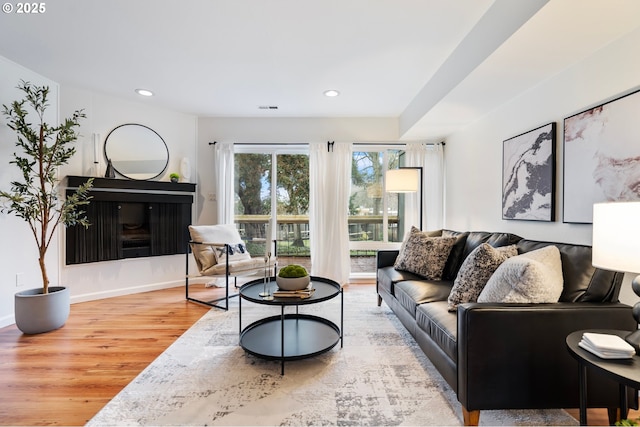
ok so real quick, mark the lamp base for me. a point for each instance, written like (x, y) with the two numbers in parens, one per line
(634, 337)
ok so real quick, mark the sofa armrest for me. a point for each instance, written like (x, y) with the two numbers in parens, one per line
(386, 258)
(515, 355)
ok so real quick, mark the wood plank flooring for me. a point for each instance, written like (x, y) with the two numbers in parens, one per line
(65, 377)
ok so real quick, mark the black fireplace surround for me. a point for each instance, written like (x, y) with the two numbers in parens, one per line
(130, 219)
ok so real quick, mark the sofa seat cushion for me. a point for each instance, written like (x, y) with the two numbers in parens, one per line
(389, 276)
(441, 325)
(411, 293)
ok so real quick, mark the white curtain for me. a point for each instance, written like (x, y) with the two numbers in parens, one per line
(329, 187)
(223, 165)
(431, 158)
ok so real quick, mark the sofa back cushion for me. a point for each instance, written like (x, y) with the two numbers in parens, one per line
(582, 281)
(455, 256)
(472, 240)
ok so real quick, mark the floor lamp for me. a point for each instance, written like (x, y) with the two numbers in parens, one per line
(616, 246)
(405, 180)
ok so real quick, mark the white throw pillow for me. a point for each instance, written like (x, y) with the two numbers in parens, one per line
(532, 277)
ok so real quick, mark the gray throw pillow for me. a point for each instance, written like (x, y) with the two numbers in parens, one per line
(424, 255)
(475, 271)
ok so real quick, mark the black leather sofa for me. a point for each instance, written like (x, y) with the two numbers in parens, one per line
(505, 355)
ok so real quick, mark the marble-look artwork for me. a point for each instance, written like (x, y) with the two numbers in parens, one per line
(528, 175)
(601, 157)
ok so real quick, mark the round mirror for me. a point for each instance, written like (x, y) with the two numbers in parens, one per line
(136, 151)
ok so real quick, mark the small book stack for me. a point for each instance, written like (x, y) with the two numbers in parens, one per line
(607, 346)
(302, 294)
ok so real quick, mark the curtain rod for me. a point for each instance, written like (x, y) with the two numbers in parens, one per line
(306, 143)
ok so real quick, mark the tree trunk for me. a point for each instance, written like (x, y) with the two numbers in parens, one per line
(45, 278)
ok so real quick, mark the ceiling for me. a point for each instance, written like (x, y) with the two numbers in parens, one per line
(436, 65)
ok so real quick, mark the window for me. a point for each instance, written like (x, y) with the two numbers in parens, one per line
(375, 217)
(272, 200)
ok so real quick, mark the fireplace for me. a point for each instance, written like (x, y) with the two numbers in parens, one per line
(131, 219)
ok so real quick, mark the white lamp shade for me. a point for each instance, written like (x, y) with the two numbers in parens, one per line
(402, 180)
(616, 236)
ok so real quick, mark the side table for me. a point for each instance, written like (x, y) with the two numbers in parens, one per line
(626, 372)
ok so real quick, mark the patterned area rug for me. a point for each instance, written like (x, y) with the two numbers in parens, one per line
(380, 377)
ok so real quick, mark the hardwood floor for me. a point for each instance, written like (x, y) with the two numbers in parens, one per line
(65, 377)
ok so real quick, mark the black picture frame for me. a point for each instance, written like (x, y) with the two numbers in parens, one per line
(528, 175)
(601, 157)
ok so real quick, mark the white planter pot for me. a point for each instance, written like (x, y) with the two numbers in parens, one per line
(292, 283)
(36, 312)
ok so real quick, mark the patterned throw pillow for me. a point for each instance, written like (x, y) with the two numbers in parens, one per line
(424, 255)
(533, 277)
(237, 251)
(475, 271)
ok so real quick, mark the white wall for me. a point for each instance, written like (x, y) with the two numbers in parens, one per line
(474, 156)
(95, 280)
(278, 130)
(18, 252)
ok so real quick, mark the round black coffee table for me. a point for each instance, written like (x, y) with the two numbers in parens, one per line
(290, 336)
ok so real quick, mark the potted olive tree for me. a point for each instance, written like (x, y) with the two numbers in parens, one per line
(41, 150)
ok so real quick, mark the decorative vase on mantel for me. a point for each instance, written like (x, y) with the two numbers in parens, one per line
(111, 172)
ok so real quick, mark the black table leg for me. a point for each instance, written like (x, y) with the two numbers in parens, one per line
(341, 317)
(282, 338)
(623, 402)
(583, 393)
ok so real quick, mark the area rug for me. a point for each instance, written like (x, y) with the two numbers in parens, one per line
(379, 377)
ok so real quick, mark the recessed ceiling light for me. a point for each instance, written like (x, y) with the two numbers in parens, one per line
(331, 93)
(144, 92)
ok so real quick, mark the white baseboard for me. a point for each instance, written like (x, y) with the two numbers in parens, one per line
(7, 321)
(125, 291)
(11, 320)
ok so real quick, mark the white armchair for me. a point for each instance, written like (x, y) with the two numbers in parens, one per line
(220, 253)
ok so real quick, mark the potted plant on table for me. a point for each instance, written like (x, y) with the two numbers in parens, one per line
(43, 148)
(293, 277)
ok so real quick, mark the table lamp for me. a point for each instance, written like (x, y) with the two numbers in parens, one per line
(616, 246)
(405, 180)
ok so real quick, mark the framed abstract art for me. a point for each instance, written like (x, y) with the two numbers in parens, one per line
(601, 157)
(528, 175)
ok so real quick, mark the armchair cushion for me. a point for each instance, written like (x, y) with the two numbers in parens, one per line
(533, 277)
(213, 252)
